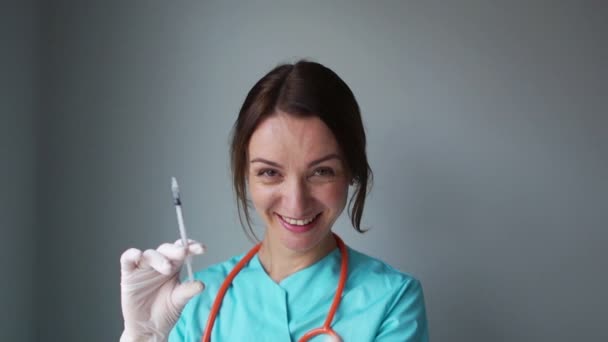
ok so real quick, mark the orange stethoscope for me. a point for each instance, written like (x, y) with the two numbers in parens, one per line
(323, 330)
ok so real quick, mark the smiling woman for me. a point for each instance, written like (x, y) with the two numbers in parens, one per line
(298, 145)
(305, 90)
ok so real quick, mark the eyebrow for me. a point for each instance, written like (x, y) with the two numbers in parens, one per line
(312, 163)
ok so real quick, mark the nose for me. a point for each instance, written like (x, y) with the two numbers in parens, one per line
(296, 197)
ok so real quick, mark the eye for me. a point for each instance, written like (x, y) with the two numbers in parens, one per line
(269, 173)
(324, 172)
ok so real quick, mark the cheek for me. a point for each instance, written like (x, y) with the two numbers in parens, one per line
(334, 196)
(262, 197)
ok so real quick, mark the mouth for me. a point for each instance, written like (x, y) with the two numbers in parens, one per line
(300, 225)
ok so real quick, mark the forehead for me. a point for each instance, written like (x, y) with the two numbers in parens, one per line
(283, 135)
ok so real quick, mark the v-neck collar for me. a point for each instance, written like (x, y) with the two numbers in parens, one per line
(305, 275)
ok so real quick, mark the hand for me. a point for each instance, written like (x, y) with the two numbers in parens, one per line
(152, 296)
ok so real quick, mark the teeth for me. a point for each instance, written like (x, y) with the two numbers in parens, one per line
(298, 222)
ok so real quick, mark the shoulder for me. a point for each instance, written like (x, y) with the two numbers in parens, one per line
(393, 298)
(194, 315)
(375, 272)
(213, 275)
(374, 281)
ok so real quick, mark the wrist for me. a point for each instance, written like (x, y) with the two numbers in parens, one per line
(126, 337)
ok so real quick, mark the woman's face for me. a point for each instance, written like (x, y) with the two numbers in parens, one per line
(297, 179)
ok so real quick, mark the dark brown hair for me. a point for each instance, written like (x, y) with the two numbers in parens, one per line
(303, 89)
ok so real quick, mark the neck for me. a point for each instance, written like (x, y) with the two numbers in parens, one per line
(280, 262)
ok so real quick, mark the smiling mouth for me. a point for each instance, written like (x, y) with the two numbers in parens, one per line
(299, 225)
(298, 222)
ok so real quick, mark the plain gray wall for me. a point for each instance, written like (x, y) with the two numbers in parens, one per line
(487, 134)
(18, 106)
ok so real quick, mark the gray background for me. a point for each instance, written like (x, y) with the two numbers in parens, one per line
(487, 126)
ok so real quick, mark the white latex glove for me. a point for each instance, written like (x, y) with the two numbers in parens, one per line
(152, 296)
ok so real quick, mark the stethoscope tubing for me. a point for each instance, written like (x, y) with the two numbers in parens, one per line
(323, 330)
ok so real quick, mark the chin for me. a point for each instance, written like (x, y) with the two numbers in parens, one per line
(303, 242)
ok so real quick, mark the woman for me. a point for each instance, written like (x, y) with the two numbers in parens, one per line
(298, 144)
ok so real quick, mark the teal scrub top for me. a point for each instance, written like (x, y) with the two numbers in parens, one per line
(379, 303)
